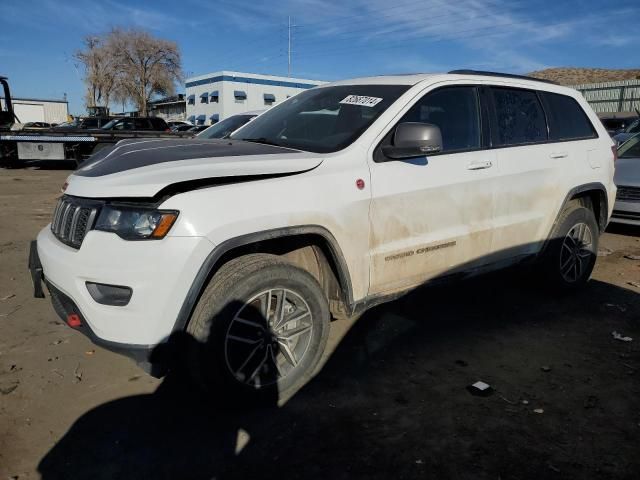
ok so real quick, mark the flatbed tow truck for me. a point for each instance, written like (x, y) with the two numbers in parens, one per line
(20, 146)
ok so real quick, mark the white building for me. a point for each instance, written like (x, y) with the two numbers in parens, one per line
(36, 110)
(215, 96)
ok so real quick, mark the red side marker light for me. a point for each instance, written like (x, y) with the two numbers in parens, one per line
(360, 183)
(73, 320)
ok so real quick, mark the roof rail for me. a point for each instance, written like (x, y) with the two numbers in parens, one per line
(497, 74)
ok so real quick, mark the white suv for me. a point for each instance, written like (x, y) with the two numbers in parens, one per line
(340, 198)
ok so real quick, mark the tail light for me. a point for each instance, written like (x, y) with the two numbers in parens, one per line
(614, 150)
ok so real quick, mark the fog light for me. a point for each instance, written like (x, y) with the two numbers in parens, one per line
(114, 295)
(73, 320)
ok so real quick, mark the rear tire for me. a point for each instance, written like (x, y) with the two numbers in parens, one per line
(262, 325)
(571, 252)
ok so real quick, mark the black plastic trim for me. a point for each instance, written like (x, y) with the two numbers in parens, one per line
(206, 269)
(103, 298)
(604, 209)
(35, 268)
(498, 74)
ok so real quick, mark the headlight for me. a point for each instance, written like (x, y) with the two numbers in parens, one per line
(136, 223)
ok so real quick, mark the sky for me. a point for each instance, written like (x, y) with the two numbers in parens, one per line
(331, 39)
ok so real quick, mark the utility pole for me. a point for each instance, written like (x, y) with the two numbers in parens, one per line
(289, 49)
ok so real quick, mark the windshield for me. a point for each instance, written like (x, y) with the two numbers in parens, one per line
(225, 127)
(325, 119)
(630, 148)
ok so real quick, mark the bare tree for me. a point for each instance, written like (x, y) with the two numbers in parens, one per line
(100, 72)
(146, 66)
(129, 65)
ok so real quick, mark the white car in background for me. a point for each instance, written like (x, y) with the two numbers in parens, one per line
(340, 198)
(627, 178)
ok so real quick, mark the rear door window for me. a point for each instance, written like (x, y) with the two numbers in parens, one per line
(567, 120)
(456, 111)
(518, 117)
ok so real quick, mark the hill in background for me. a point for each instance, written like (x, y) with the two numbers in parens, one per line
(577, 76)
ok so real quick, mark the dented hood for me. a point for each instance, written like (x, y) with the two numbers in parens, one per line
(143, 168)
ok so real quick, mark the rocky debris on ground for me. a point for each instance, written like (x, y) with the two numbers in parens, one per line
(622, 308)
(545, 368)
(8, 387)
(77, 374)
(7, 297)
(539, 411)
(480, 389)
(622, 338)
(634, 284)
(632, 257)
(604, 252)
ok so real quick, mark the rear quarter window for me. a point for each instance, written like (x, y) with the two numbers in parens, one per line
(518, 117)
(567, 120)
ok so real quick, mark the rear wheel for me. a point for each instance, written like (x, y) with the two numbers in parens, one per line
(572, 250)
(261, 325)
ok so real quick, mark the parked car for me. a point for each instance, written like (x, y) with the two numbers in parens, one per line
(616, 124)
(85, 123)
(341, 197)
(36, 125)
(627, 178)
(184, 127)
(177, 123)
(628, 132)
(226, 127)
(137, 123)
(197, 128)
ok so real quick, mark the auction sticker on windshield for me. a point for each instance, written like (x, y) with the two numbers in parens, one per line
(361, 100)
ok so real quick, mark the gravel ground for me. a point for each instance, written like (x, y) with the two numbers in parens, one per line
(391, 401)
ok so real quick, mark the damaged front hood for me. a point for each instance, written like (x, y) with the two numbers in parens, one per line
(143, 168)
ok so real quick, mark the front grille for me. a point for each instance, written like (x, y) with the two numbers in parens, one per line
(72, 219)
(628, 194)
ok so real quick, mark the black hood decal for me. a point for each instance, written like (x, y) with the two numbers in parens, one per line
(130, 154)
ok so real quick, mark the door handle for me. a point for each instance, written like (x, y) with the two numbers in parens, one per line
(559, 155)
(480, 165)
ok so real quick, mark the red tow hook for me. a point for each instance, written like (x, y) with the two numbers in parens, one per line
(73, 320)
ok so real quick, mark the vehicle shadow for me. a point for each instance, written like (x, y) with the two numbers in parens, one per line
(391, 402)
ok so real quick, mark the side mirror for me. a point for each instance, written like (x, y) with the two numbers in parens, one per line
(414, 139)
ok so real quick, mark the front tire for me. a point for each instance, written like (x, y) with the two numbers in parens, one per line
(262, 326)
(572, 249)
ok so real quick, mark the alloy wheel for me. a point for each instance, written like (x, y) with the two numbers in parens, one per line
(576, 252)
(268, 337)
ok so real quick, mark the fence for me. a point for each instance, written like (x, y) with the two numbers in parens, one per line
(612, 97)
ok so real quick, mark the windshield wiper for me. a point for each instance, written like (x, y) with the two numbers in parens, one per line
(262, 140)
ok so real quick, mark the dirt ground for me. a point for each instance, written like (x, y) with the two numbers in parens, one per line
(391, 401)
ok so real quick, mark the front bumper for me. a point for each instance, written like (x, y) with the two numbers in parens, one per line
(159, 273)
(66, 308)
